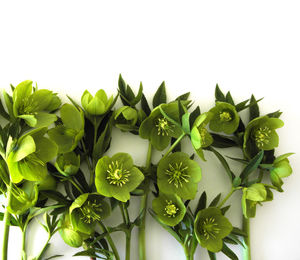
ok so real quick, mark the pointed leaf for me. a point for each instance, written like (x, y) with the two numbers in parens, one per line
(160, 96)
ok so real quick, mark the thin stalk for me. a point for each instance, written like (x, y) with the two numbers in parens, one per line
(174, 145)
(128, 238)
(6, 221)
(23, 242)
(110, 241)
(247, 249)
(88, 163)
(143, 208)
(44, 248)
(187, 253)
(126, 220)
(76, 186)
(227, 197)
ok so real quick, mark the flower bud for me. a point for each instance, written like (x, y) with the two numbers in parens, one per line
(68, 163)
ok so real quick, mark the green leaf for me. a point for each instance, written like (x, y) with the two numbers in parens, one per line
(122, 85)
(9, 104)
(71, 117)
(239, 232)
(201, 203)
(229, 98)
(3, 111)
(219, 94)
(145, 105)
(241, 106)
(160, 96)
(215, 201)
(275, 114)
(212, 256)
(252, 165)
(184, 96)
(138, 97)
(254, 109)
(224, 163)
(54, 256)
(221, 141)
(228, 252)
(186, 123)
(194, 115)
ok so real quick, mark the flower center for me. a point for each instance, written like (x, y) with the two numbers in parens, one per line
(90, 212)
(210, 228)
(163, 126)
(177, 174)
(116, 174)
(225, 116)
(262, 136)
(170, 209)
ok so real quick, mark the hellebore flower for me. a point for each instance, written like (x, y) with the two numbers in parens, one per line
(86, 210)
(34, 107)
(67, 135)
(157, 129)
(169, 208)
(29, 156)
(117, 177)
(68, 234)
(251, 196)
(97, 105)
(225, 118)
(178, 174)
(260, 134)
(23, 198)
(210, 228)
(68, 163)
(281, 169)
(125, 118)
(200, 137)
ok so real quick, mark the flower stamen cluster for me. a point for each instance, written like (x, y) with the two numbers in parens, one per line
(116, 174)
(225, 116)
(170, 209)
(262, 136)
(90, 212)
(177, 174)
(210, 228)
(163, 126)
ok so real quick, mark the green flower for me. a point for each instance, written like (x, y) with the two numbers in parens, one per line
(23, 198)
(178, 174)
(260, 134)
(97, 105)
(200, 137)
(125, 118)
(34, 107)
(68, 163)
(28, 158)
(158, 129)
(225, 118)
(49, 183)
(86, 210)
(281, 169)
(252, 195)
(117, 177)
(69, 235)
(169, 208)
(210, 228)
(67, 135)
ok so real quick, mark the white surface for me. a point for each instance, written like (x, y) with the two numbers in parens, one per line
(245, 46)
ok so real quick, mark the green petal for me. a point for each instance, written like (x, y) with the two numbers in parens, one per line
(54, 104)
(29, 119)
(39, 100)
(15, 174)
(274, 141)
(283, 168)
(256, 192)
(71, 117)
(86, 98)
(96, 107)
(124, 160)
(135, 179)
(276, 180)
(159, 142)
(195, 138)
(20, 94)
(65, 141)
(101, 95)
(32, 171)
(146, 127)
(102, 186)
(25, 147)
(44, 119)
(78, 202)
(46, 149)
(274, 123)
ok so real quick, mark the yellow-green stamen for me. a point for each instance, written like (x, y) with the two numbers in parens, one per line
(163, 126)
(225, 116)
(210, 228)
(177, 174)
(262, 136)
(117, 175)
(90, 212)
(170, 209)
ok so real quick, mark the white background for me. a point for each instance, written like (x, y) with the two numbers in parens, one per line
(244, 46)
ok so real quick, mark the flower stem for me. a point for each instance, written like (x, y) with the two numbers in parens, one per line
(43, 249)
(110, 241)
(126, 220)
(6, 221)
(128, 238)
(174, 145)
(143, 208)
(246, 228)
(227, 197)
(76, 185)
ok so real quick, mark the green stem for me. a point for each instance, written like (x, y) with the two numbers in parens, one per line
(23, 242)
(126, 220)
(43, 249)
(110, 241)
(246, 228)
(188, 256)
(76, 186)
(6, 221)
(174, 145)
(143, 208)
(227, 197)
(88, 164)
(128, 238)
